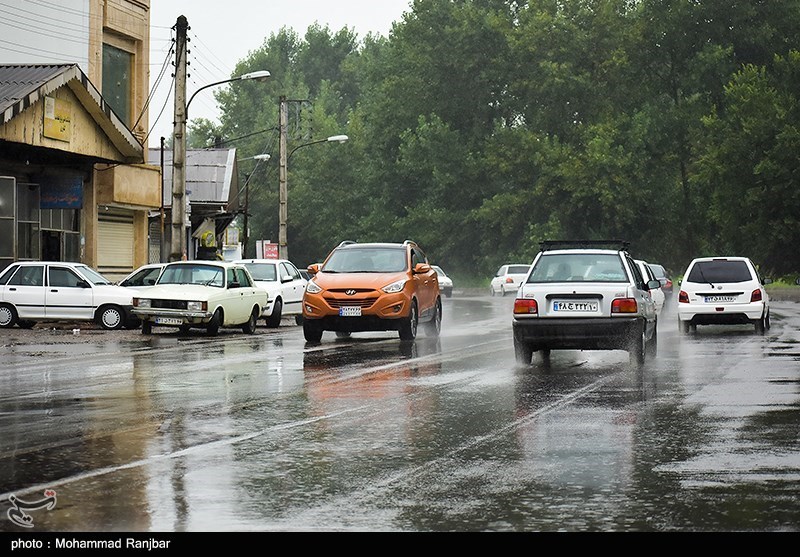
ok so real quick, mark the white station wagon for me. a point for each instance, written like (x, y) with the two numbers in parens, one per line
(201, 294)
(32, 291)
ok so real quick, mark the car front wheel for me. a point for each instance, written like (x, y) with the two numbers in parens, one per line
(212, 329)
(274, 320)
(311, 331)
(408, 328)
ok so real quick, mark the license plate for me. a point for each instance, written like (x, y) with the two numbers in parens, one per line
(350, 311)
(718, 299)
(576, 306)
(168, 321)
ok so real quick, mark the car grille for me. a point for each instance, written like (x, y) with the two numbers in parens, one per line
(364, 302)
(168, 304)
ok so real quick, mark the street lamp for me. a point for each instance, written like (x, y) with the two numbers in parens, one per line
(262, 157)
(283, 251)
(178, 237)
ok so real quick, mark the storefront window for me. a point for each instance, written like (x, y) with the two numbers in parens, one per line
(27, 240)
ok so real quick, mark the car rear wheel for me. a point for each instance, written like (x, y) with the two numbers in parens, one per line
(637, 350)
(212, 329)
(111, 317)
(147, 328)
(250, 327)
(523, 352)
(652, 346)
(311, 331)
(761, 326)
(343, 334)
(25, 324)
(434, 327)
(274, 320)
(408, 328)
(8, 316)
(683, 326)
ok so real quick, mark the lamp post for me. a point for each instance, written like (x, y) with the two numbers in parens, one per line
(246, 233)
(178, 236)
(283, 251)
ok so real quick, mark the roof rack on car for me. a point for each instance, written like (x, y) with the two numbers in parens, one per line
(605, 244)
(345, 243)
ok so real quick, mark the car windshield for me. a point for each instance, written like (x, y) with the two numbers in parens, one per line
(367, 260)
(93, 276)
(578, 267)
(719, 270)
(439, 271)
(207, 275)
(263, 271)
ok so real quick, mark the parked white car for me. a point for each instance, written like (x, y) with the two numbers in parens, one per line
(201, 294)
(656, 293)
(508, 279)
(32, 291)
(143, 277)
(284, 285)
(723, 291)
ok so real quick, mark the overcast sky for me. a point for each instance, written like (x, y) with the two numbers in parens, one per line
(223, 33)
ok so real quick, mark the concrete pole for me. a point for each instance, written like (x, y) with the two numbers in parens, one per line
(283, 250)
(178, 236)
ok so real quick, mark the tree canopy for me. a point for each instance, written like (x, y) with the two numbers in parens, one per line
(480, 127)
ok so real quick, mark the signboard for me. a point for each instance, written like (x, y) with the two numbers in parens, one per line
(61, 192)
(57, 119)
(266, 249)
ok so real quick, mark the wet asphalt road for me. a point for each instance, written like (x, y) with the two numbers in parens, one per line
(238, 433)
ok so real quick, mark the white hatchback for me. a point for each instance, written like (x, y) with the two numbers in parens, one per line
(723, 291)
(32, 291)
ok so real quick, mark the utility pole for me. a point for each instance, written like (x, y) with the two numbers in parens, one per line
(178, 236)
(283, 251)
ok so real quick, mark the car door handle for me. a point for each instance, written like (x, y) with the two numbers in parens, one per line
(13, 289)
(54, 290)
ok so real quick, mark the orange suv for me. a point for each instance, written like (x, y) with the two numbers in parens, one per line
(372, 287)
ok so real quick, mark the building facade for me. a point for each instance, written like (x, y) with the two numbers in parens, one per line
(74, 180)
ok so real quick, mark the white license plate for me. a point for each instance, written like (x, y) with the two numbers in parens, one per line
(168, 321)
(718, 299)
(575, 306)
(350, 311)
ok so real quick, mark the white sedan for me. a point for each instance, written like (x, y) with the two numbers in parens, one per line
(284, 286)
(201, 294)
(508, 279)
(32, 291)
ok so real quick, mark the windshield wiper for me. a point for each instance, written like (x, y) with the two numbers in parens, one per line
(703, 276)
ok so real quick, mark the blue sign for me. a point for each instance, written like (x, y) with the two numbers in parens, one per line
(61, 192)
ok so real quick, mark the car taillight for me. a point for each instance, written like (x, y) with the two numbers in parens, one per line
(756, 295)
(683, 297)
(668, 284)
(526, 306)
(624, 305)
(509, 280)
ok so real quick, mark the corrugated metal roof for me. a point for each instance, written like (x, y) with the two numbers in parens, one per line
(18, 82)
(210, 174)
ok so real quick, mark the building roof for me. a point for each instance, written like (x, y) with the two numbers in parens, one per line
(22, 85)
(211, 176)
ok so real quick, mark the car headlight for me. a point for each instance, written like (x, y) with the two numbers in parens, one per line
(313, 288)
(194, 306)
(395, 287)
(141, 303)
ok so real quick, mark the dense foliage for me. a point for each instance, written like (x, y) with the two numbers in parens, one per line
(480, 127)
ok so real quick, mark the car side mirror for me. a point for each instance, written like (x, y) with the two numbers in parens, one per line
(286, 278)
(653, 284)
(83, 284)
(313, 269)
(422, 268)
(234, 285)
(767, 281)
(149, 282)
